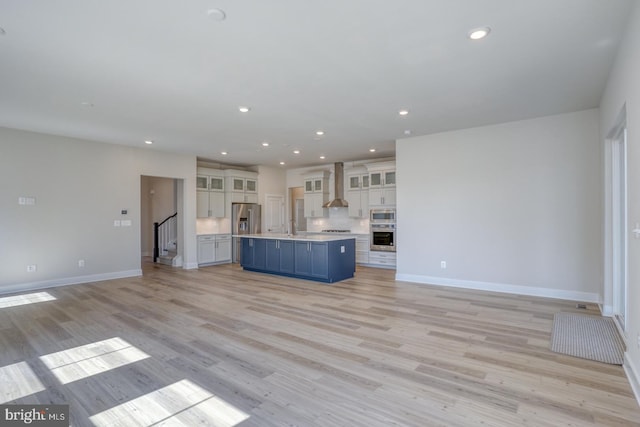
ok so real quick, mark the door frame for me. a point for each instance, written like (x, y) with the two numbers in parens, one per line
(616, 227)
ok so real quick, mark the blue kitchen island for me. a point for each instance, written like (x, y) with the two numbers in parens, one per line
(315, 257)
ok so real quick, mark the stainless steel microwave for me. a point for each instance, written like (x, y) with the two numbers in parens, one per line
(382, 216)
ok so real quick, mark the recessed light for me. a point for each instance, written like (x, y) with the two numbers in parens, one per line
(224, 153)
(244, 109)
(281, 163)
(217, 14)
(320, 132)
(373, 150)
(479, 33)
(322, 157)
(407, 132)
(296, 151)
(86, 104)
(148, 142)
(265, 144)
(403, 112)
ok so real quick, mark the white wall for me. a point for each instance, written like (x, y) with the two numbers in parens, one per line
(80, 188)
(623, 89)
(513, 207)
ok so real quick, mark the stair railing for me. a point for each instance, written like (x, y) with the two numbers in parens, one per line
(163, 233)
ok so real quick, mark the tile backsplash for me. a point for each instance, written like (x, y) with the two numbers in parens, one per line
(213, 225)
(338, 220)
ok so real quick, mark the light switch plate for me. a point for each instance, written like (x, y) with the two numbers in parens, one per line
(116, 223)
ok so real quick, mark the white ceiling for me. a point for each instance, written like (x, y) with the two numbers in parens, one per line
(165, 70)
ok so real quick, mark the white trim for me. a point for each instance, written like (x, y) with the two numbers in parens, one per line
(632, 376)
(30, 286)
(502, 287)
(190, 265)
(606, 310)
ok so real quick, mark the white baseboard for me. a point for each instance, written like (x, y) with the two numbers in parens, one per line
(502, 287)
(190, 265)
(632, 374)
(21, 287)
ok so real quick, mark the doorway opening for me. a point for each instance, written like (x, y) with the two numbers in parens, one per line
(159, 205)
(297, 221)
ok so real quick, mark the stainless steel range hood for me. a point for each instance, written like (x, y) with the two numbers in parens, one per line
(338, 201)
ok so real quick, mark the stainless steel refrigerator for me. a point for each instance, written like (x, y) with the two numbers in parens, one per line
(245, 219)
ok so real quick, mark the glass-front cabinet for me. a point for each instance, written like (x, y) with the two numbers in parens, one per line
(242, 186)
(210, 200)
(358, 182)
(316, 194)
(357, 192)
(216, 183)
(383, 179)
(382, 184)
(202, 182)
(315, 185)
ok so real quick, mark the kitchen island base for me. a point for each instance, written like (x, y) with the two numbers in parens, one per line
(324, 260)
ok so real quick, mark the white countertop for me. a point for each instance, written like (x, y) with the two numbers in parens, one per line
(329, 237)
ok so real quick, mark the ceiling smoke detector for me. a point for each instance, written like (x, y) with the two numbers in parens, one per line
(217, 14)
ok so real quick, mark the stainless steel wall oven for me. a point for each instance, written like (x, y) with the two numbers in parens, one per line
(383, 237)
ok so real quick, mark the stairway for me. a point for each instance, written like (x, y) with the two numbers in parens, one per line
(166, 242)
(169, 255)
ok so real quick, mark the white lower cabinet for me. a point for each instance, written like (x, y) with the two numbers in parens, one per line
(214, 249)
(382, 259)
(362, 249)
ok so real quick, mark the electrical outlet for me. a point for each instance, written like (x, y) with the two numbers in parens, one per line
(81, 263)
(443, 264)
(31, 268)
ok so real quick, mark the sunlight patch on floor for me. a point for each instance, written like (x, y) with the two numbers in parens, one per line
(18, 380)
(91, 359)
(16, 300)
(180, 404)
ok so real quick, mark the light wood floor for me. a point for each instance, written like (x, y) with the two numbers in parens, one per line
(220, 345)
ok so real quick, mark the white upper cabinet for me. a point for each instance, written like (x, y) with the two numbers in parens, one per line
(241, 186)
(357, 192)
(382, 183)
(384, 178)
(316, 193)
(210, 200)
(317, 184)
